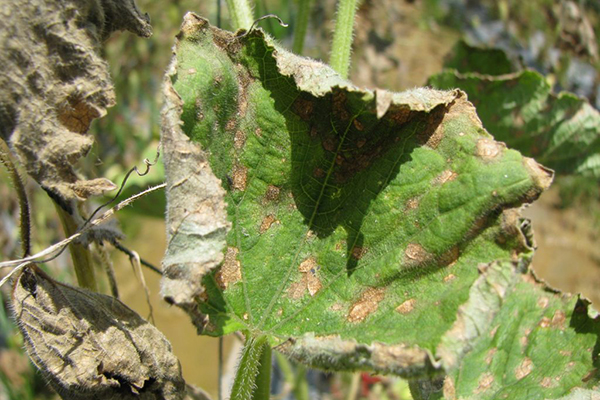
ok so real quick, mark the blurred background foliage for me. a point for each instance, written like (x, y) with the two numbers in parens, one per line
(398, 45)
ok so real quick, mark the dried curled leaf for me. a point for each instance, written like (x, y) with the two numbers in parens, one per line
(92, 346)
(55, 83)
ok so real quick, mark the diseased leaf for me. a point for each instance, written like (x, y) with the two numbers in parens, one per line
(539, 344)
(561, 131)
(358, 218)
(54, 83)
(92, 346)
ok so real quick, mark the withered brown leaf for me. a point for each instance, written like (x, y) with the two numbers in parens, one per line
(92, 346)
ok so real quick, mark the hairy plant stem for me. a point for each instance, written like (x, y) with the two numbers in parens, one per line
(253, 376)
(342, 37)
(25, 214)
(240, 13)
(80, 254)
(301, 25)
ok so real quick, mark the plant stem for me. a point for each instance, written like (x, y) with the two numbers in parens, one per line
(342, 37)
(263, 379)
(80, 254)
(17, 181)
(253, 376)
(240, 14)
(301, 25)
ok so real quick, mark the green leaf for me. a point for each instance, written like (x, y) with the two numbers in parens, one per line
(347, 225)
(488, 61)
(561, 131)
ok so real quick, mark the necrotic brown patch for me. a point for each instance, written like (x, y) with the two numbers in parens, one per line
(266, 223)
(230, 271)
(309, 280)
(445, 176)
(272, 193)
(412, 204)
(485, 382)
(366, 305)
(303, 108)
(406, 307)
(524, 368)
(416, 254)
(488, 149)
(240, 177)
(358, 252)
(239, 139)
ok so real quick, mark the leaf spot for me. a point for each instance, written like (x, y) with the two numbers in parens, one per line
(406, 307)
(416, 252)
(449, 278)
(266, 223)
(485, 382)
(366, 305)
(488, 149)
(240, 176)
(445, 176)
(272, 193)
(303, 108)
(524, 368)
(358, 252)
(230, 271)
(547, 382)
(412, 204)
(558, 320)
(309, 282)
(239, 139)
(490, 355)
(543, 302)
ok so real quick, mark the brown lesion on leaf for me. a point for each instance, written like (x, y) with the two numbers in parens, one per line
(406, 307)
(547, 382)
(358, 252)
(239, 177)
(524, 368)
(230, 271)
(399, 114)
(493, 331)
(485, 382)
(337, 307)
(449, 278)
(318, 172)
(543, 302)
(412, 204)
(445, 176)
(366, 305)
(338, 102)
(230, 126)
(309, 281)
(558, 320)
(272, 193)
(358, 125)
(541, 175)
(239, 139)
(303, 108)
(416, 254)
(266, 223)
(489, 357)
(489, 149)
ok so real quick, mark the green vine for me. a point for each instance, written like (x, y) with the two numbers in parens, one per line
(342, 37)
